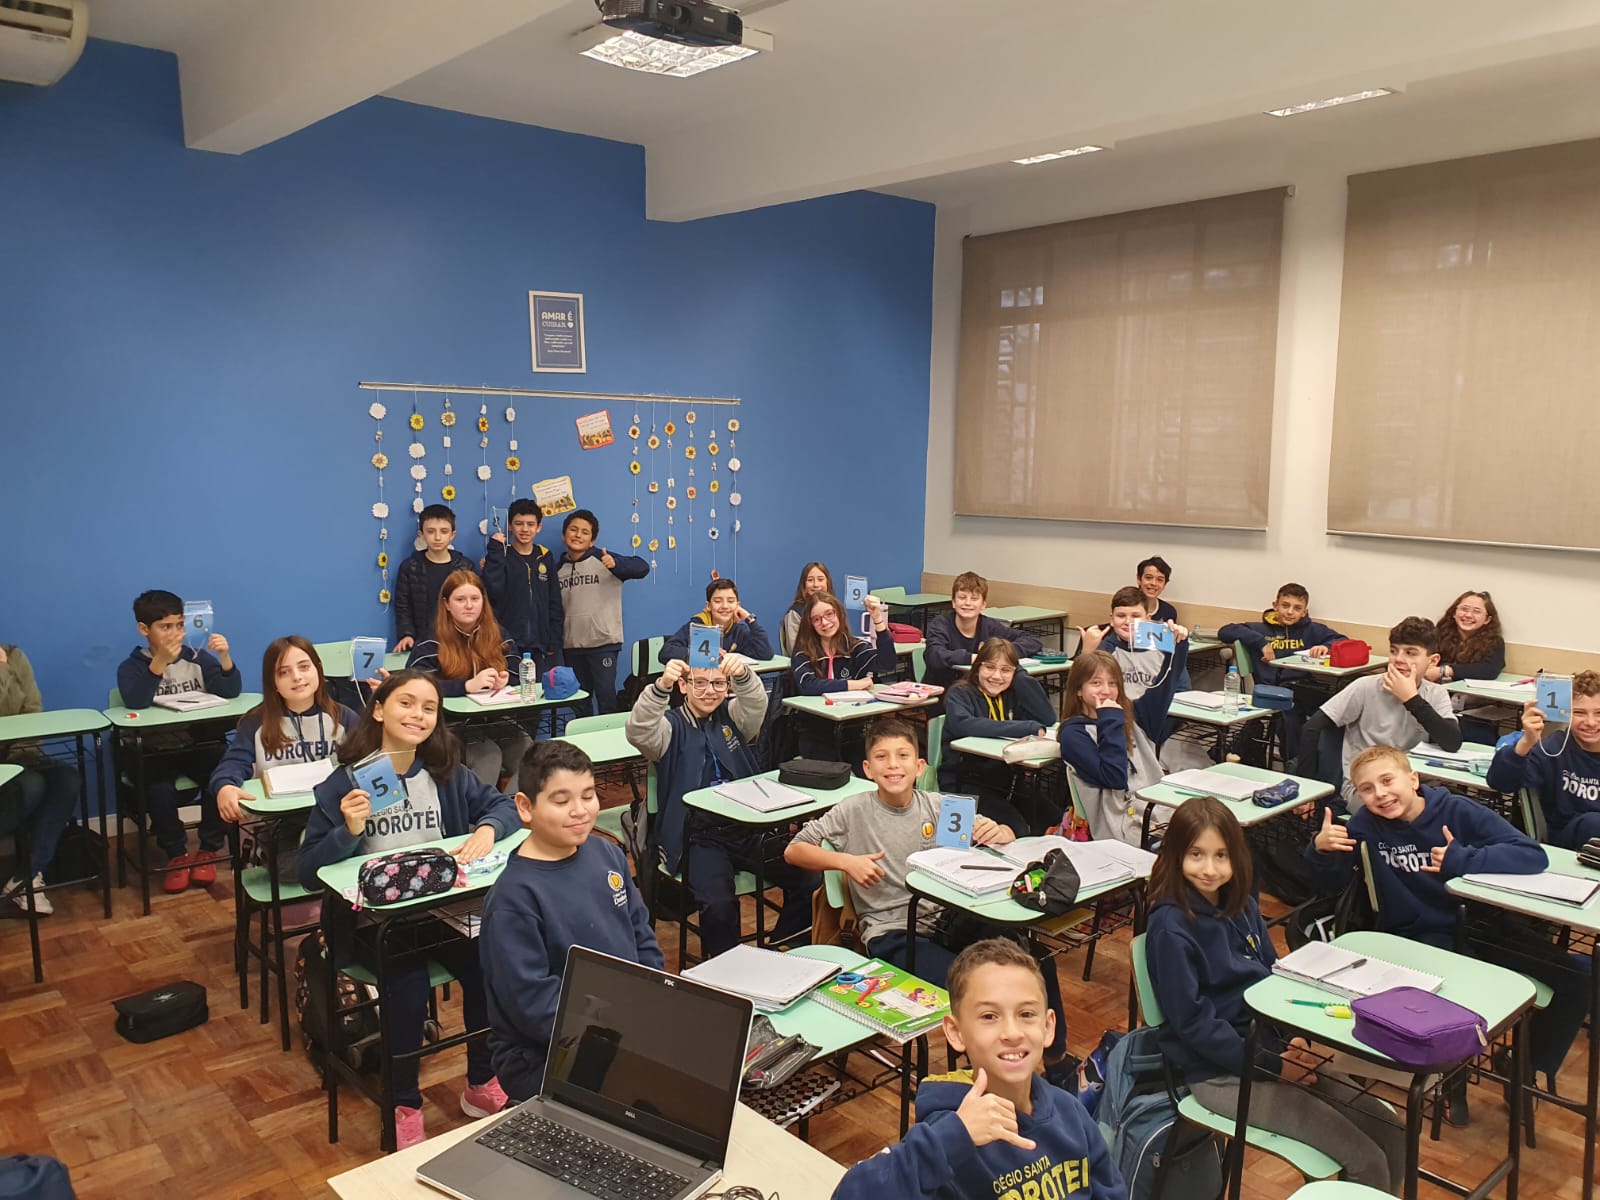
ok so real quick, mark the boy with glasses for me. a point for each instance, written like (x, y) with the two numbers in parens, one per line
(704, 743)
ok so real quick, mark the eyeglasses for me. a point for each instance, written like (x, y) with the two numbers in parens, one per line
(707, 687)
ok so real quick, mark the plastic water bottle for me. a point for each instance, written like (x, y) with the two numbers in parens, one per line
(528, 676)
(1230, 692)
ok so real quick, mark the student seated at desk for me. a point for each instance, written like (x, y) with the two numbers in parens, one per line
(873, 834)
(297, 721)
(741, 632)
(1106, 738)
(815, 580)
(562, 888)
(953, 637)
(998, 1130)
(827, 656)
(1401, 707)
(164, 666)
(48, 789)
(1284, 629)
(443, 802)
(1470, 647)
(1206, 944)
(421, 576)
(1141, 669)
(1563, 769)
(468, 655)
(701, 744)
(993, 700)
(1418, 838)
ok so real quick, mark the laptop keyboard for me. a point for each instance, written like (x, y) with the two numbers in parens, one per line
(581, 1161)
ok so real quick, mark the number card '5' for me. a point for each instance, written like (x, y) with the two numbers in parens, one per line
(377, 778)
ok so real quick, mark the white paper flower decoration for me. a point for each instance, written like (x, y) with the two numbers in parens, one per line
(418, 544)
(483, 527)
(380, 510)
(417, 505)
(511, 414)
(484, 472)
(735, 499)
(377, 411)
(733, 464)
(419, 472)
(712, 533)
(512, 445)
(483, 443)
(449, 470)
(418, 450)
(447, 443)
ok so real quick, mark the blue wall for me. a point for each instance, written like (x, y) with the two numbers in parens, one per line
(182, 334)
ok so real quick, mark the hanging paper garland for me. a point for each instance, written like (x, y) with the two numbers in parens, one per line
(513, 463)
(734, 498)
(380, 510)
(483, 470)
(448, 419)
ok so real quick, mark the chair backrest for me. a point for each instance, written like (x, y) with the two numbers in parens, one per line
(1148, 1004)
(1071, 641)
(919, 661)
(833, 882)
(114, 700)
(1241, 659)
(1372, 886)
(1533, 818)
(928, 781)
(597, 723)
(894, 595)
(645, 662)
(1078, 808)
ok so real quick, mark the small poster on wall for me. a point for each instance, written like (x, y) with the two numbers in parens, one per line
(594, 430)
(554, 496)
(556, 321)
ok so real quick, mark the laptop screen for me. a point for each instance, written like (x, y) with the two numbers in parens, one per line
(649, 1052)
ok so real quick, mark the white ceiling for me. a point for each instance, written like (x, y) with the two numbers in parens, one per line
(925, 98)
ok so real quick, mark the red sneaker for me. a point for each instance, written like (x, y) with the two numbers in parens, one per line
(483, 1099)
(177, 876)
(204, 873)
(408, 1130)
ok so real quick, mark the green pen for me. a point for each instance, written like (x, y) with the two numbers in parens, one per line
(1329, 1007)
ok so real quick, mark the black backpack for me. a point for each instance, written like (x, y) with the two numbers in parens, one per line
(354, 1034)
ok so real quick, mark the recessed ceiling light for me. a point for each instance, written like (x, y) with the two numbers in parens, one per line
(1055, 154)
(656, 56)
(1331, 102)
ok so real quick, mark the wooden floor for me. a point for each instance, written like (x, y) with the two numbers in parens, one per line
(221, 1111)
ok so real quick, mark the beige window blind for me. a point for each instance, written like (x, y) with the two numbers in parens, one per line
(1121, 368)
(1469, 351)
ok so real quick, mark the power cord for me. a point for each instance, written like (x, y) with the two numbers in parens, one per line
(741, 1191)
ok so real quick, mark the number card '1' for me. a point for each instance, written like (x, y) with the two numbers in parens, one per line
(956, 817)
(196, 623)
(1554, 696)
(366, 657)
(705, 646)
(1153, 635)
(376, 777)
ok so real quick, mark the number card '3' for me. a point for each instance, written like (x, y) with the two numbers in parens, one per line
(956, 817)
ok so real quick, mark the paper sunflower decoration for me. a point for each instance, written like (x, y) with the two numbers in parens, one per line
(688, 451)
(636, 541)
(654, 443)
(448, 491)
(380, 460)
(669, 429)
(416, 421)
(716, 486)
(714, 449)
(672, 502)
(484, 472)
(383, 596)
(733, 424)
(513, 463)
(634, 469)
(688, 417)
(672, 542)
(483, 424)
(655, 545)
(377, 411)
(383, 558)
(447, 418)
(689, 491)
(633, 432)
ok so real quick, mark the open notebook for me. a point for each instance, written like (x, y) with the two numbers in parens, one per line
(1546, 885)
(1215, 783)
(763, 795)
(771, 979)
(975, 872)
(183, 702)
(1098, 863)
(1348, 974)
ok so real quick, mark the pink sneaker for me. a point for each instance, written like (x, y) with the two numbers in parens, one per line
(408, 1130)
(483, 1099)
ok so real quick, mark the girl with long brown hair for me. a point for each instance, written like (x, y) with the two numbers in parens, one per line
(1105, 740)
(815, 580)
(828, 656)
(1471, 646)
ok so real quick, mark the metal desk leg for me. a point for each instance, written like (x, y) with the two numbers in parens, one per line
(1233, 1173)
(144, 834)
(29, 913)
(385, 1040)
(105, 837)
(1519, 1072)
(1414, 1096)
(1591, 1116)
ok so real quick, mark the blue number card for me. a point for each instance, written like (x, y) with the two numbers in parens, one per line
(705, 645)
(376, 777)
(366, 657)
(1553, 694)
(196, 623)
(855, 604)
(1153, 635)
(956, 817)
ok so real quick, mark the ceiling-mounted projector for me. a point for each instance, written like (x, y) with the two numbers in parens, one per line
(689, 22)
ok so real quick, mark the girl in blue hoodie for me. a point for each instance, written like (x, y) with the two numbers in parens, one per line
(1206, 944)
(994, 700)
(444, 802)
(1109, 741)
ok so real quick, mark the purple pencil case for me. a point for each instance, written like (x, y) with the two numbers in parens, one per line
(1418, 1029)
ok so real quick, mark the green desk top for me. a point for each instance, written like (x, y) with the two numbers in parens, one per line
(337, 662)
(1199, 642)
(767, 666)
(155, 717)
(1016, 613)
(919, 600)
(60, 722)
(825, 1028)
(8, 772)
(708, 801)
(1463, 687)
(1494, 993)
(1314, 666)
(1563, 862)
(995, 748)
(1452, 775)
(906, 649)
(259, 804)
(1214, 716)
(1000, 907)
(465, 706)
(1246, 811)
(817, 706)
(604, 745)
(339, 876)
(1031, 667)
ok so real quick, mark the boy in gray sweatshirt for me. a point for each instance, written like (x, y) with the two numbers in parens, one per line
(591, 598)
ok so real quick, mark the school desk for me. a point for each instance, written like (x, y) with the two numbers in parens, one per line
(1497, 690)
(1033, 775)
(1320, 676)
(465, 713)
(83, 726)
(918, 607)
(1469, 784)
(131, 724)
(259, 889)
(9, 772)
(340, 879)
(1166, 795)
(759, 1155)
(1582, 927)
(1220, 725)
(1035, 620)
(836, 716)
(1501, 997)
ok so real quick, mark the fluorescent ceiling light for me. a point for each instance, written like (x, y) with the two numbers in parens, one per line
(656, 56)
(1331, 102)
(1055, 154)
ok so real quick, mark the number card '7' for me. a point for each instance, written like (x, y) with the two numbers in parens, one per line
(366, 656)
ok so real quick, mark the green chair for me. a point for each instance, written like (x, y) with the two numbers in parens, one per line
(259, 891)
(646, 657)
(1533, 819)
(1308, 1160)
(598, 723)
(187, 788)
(919, 662)
(928, 781)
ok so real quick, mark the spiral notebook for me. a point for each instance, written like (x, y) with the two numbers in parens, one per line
(885, 999)
(1348, 974)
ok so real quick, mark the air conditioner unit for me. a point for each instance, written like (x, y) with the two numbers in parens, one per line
(41, 39)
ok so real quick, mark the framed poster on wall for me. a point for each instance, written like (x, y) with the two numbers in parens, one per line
(556, 322)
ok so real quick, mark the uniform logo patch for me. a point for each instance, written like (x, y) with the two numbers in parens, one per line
(619, 895)
(927, 829)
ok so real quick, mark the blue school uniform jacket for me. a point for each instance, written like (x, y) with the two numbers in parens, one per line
(1023, 709)
(416, 591)
(875, 658)
(425, 657)
(936, 1160)
(1284, 639)
(526, 596)
(313, 736)
(740, 637)
(946, 648)
(1566, 779)
(192, 671)
(1411, 901)
(534, 914)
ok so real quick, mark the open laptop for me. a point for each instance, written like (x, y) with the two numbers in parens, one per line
(637, 1101)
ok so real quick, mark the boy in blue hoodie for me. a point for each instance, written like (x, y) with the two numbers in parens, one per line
(1563, 769)
(562, 888)
(1284, 629)
(1141, 669)
(164, 666)
(1420, 838)
(591, 602)
(998, 1130)
(523, 589)
(954, 637)
(741, 632)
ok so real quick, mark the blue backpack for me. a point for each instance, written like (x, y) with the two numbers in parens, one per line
(34, 1177)
(1136, 1116)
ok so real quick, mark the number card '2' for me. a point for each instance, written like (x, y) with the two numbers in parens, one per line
(1153, 635)
(366, 657)
(1554, 696)
(376, 777)
(956, 817)
(705, 646)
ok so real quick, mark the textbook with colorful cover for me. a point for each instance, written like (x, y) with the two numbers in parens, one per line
(885, 999)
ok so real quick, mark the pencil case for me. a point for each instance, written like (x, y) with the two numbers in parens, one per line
(1051, 660)
(814, 773)
(406, 875)
(1278, 793)
(1273, 696)
(1418, 1029)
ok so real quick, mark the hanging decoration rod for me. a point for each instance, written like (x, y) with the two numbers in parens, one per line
(616, 397)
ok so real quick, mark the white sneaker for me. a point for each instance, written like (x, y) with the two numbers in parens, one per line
(41, 902)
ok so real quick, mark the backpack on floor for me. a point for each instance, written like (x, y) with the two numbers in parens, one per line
(1136, 1115)
(354, 1034)
(34, 1177)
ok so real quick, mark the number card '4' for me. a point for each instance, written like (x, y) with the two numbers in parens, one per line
(376, 777)
(366, 657)
(1153, 635)
(705, 646)
(1553, 694)
(956, 817)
